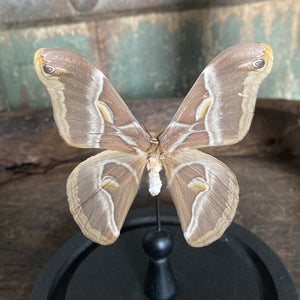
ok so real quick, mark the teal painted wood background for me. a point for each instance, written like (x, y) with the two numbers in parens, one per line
(145, 54)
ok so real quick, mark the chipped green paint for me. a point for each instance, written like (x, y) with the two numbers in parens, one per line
(267, 87)
(280, 41)
(21, 85)
(224, 35)
(154, 62)
(284, 80)
(258, 28)
(295, 66)
(155, 55)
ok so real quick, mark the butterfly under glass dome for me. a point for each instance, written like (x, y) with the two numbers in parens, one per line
(217, 111)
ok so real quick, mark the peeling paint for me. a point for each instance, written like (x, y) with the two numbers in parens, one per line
(172, 57)
(221, 27)
(156, 55)
(16, 56)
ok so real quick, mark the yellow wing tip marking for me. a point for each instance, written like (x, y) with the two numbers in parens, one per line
(106, 111)
(198, 184)
(202, 108)
(110, 182)
(39, 64)
(267, 58)
(268, 52)
(37, 59)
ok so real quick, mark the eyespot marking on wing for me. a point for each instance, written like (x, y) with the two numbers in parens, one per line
(259, 63)
(262, 61)
(202, 108)
(198, 184)
(45, 67)
(48, 69)
(106, 111)
(109, 181)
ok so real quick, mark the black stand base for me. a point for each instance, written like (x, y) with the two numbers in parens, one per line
(237, 266)
(159, 280)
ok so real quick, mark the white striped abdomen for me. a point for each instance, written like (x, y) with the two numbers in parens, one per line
(154, 166)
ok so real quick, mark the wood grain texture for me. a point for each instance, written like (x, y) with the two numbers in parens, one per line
(35, 219)
(30, 142)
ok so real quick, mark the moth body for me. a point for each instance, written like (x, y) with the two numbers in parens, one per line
(154, 166)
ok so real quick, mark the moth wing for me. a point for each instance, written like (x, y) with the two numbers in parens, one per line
(205, 194)
(100, 192)
(89, 113)
(219, 108)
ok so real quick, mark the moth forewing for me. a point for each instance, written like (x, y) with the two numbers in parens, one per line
(218, 109)
(89, 113)
(205, 192)
(100, 192)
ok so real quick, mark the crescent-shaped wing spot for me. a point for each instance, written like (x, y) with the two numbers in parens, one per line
(110, 182)
(202, 108)
(198, 184)
(106, 111)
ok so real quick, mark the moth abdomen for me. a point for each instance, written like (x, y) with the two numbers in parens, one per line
(154, 166)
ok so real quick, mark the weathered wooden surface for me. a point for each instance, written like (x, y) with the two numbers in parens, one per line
(27, 12)
(29, 141)
(35, 163)
(148, 49)
(35, 220)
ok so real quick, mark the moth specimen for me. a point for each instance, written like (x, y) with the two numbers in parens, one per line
(217, 111)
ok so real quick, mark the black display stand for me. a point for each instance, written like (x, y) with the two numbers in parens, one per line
(237, 266)
(158, 244)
